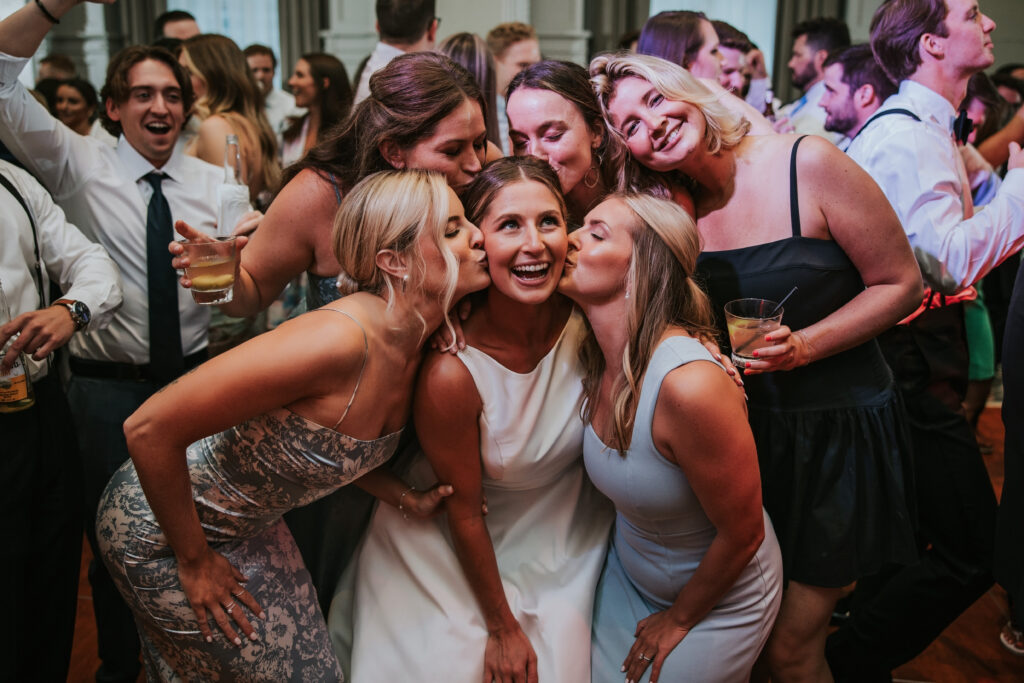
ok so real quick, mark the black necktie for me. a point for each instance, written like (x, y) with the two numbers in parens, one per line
(166, 360)
(962, 127)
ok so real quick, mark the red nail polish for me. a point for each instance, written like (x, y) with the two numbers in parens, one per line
(755, 354)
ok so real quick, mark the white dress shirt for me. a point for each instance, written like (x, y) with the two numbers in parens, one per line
(917, 165)
(280, 106)
(102, 191)
(84, 270)
(806, 115)
(379, 58)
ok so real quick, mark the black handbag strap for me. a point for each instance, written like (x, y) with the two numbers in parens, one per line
(37, 269)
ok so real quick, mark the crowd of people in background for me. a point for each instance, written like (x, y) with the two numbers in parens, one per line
(471, 412)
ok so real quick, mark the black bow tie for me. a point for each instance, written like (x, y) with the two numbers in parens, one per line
(962, 127)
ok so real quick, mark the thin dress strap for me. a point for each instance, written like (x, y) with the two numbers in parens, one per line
(794, 199)
(366, 353)
(337, 195)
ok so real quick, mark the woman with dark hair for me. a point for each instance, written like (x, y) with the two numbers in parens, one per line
(424, 111)
(190, 528)
(506, 597)
(830, 431)
(320, 84)
(470, 50)
(685, 38)
(76, 105)
(693, 578)
(229, 102)
(689, 39)
(554, 116)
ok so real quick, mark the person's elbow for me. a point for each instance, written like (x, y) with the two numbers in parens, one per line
(141, 432)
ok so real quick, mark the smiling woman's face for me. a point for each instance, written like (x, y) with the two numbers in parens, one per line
(525, 240)
(660, 133)
(546, 125)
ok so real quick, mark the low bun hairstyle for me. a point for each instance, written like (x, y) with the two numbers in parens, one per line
(392, 210)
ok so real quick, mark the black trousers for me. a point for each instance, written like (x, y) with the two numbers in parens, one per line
(42, 537)
(895, 615)
(1009, 569)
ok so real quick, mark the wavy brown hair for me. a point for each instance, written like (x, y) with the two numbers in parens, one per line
(408, 98)
(663, 294)
(232, 93)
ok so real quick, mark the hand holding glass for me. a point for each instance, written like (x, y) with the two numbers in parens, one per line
(749, 321)
(212, 267)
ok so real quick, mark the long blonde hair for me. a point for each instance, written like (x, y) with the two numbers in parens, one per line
(663, 293)
(392, 210)
(232, 93)
(724, 129)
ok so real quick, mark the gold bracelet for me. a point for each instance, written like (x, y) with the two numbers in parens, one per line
(400, 508)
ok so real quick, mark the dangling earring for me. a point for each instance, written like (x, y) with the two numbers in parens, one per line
(592, 182)
(405, 281)
(627, 295)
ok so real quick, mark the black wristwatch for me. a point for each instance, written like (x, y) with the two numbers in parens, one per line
(79, 312)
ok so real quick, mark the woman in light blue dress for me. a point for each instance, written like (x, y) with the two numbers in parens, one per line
(692, 582)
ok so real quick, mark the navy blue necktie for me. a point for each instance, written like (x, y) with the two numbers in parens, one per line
(166, 361)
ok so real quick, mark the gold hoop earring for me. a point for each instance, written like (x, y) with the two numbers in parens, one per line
(591, 182)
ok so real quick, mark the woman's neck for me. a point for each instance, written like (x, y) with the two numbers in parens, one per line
(715, 175)
(608, 321)
(520, 324)
(581, 199)
(314, 126)
(84, 128)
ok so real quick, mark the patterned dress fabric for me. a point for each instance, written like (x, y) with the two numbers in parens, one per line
(243, 480)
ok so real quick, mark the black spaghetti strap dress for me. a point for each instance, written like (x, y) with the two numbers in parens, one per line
(831, 439)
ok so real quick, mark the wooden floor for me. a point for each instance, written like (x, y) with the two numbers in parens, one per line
(967, 652)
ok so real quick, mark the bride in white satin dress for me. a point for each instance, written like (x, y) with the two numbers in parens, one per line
(509, 595)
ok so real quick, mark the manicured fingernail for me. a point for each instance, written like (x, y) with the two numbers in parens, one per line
(254, 636)
(209, 639)
(768, 337)
(263, 615)
(623, 668)
(238, 641)
(756, 354)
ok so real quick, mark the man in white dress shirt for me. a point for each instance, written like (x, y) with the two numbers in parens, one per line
(41, 515)
(403, 26)
(855, 87)
(124, 199)
(278, 104)
(813, 40)
(932, 48)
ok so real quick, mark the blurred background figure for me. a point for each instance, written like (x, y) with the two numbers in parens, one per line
(813, 40)
(277, 104)
(77, 108)
(470, 50)
(855, 87)
(228, 103)
(56, 66)
(515, 47)
(684, 38)
(733, 46)
(175, 24)
(403, 26)
(321, 87)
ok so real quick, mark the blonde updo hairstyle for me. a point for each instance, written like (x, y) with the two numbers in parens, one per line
(392, 210)
(724, 129)
(663, 293)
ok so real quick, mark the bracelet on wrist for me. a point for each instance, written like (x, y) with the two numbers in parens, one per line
(400, 508)
(46, 12)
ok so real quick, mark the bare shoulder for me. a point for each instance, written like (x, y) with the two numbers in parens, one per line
(216, 125)
(303, 205)
(446, 375)
(688, 388)
(331, 340)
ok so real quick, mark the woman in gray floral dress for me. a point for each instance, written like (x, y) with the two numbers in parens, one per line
(191, 527)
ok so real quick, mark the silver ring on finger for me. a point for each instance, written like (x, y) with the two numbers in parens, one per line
(644, 657)
(230, 606)
(239, 593)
